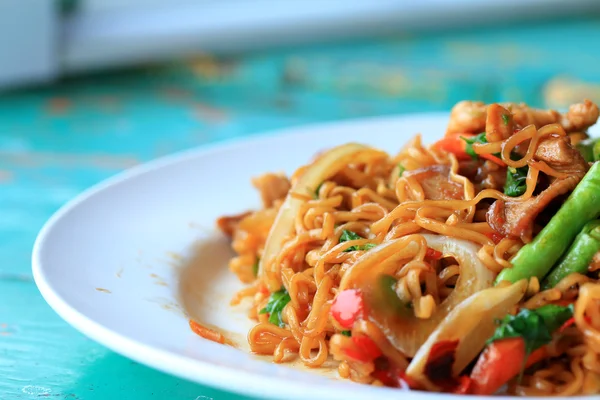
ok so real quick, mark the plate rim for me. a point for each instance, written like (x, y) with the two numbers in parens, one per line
(215, 376)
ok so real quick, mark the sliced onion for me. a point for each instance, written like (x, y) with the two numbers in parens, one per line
(326, 166)
(406, 332)
(472, 323)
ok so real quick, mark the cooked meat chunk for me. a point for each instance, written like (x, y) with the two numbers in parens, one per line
(483, 174)
(557, 152)
(467, 117)
(471, 117)
(516, 218)
(272, 187)
(436, 183)
(581, 116)
(524, 115)
(229, 223)
(499, 124)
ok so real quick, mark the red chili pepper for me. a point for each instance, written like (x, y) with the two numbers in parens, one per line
(433, 254)
(406, 382)
(500, 362)
(365, 349)
(567, 324)
(464, 385)
(571, 321)
(438, 367)
(347, 307)
(387, 378)
(368, 346)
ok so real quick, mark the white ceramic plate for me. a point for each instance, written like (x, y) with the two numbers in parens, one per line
(127, 260)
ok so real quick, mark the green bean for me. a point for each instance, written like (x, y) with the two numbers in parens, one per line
(578, 257)
(536, 258)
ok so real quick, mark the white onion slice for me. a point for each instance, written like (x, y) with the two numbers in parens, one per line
(472, 323)
(326, 166)
(407, 333)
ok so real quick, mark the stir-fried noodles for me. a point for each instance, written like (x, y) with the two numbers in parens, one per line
(469, 265)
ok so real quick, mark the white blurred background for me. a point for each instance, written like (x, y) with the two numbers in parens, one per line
(41, 40)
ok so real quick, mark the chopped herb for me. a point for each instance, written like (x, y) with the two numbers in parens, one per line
(349, 235)
(534, 326)
(317, 190)
(275, 306)
(401, 169)
(505, 119)
(255, 267)
(473, 140)
(516, 178)
(347, 333)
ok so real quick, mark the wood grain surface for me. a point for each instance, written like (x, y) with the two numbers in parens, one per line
(56, 141)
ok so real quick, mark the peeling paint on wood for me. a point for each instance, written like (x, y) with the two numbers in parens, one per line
(57, 141)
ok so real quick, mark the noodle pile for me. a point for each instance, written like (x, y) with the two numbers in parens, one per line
(395, 207)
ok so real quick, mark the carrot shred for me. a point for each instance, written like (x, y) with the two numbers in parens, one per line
(456, 144)
(207, 333)
(493, 159)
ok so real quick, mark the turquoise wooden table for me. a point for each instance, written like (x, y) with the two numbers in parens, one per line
(57, 141)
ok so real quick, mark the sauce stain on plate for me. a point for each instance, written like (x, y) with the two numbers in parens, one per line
(175, 256)
(168, 305)
(206, 287)
(102, 290)
(158, 280)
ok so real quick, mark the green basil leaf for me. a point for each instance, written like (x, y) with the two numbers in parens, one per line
(349, 235)
(516, 178)
(277, 301)
(471, 141)
(534, 326)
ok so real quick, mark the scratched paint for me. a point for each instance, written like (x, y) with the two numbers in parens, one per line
(57, 141)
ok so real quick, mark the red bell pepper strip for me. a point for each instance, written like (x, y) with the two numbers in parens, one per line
(347, 307)
(464, 385)
(501, 361)
(433, 254)
(364, 349)
(406, 382)
(456, 144)
(438, 367)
